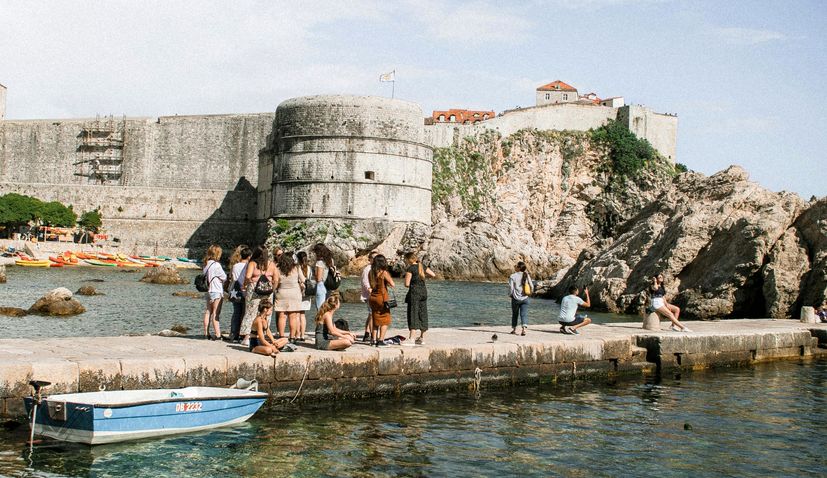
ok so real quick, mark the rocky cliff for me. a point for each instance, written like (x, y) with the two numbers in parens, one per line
(605, 212)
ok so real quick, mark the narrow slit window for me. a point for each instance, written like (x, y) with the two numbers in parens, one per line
(370, 175)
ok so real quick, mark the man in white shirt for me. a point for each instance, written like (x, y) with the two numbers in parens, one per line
(570, 320)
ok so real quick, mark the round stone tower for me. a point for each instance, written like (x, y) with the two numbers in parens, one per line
(351, 157)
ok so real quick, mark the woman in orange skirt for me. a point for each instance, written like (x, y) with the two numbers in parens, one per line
(380, 314)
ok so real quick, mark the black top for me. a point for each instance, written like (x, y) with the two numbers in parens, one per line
(417, 286)
(659, 291)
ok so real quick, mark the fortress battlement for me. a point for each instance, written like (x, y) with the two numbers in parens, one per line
(183, 181)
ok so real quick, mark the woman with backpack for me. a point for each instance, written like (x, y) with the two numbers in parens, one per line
(238, 271)
(324, 272)
(258, 284)
(215, 276)
(520, 288)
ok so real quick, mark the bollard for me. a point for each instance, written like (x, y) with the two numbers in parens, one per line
(808, 315)
(651, 321)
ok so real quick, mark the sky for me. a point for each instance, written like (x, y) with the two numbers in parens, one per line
(744, 77)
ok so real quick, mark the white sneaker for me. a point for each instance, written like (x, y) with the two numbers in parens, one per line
(675, 328)
(686, 329)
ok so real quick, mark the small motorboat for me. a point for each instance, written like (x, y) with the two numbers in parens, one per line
(119, 415)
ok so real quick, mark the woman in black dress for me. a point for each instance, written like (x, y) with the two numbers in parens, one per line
(417, 297)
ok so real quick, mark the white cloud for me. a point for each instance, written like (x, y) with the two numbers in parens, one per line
(746, 36)
(471, 23)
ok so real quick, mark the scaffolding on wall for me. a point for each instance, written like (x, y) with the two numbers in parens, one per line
(101, 151)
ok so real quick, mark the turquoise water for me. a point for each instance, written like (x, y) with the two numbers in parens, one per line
(133, 307)
(765, 421)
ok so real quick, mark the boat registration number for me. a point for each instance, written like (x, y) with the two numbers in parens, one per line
(188, 407)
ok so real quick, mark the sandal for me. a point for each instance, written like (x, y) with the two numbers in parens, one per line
(523, 331)
(513, 332)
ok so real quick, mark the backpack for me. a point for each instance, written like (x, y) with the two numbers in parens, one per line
(263, 286)
(236, 295)
(201, 284)
(333, 280)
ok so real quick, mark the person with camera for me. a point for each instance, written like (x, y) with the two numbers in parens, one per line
(570, 320)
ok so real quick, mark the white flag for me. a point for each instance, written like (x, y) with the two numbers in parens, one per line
(388, 76)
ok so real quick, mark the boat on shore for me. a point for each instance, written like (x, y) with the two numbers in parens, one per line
(33, 262)
(120, 415)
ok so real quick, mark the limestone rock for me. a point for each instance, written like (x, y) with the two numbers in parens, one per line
(170, 333)
(711, 237)
(2, 274)
(88, 290)
(164, 274)
(58, 302)
(181, 329)
(12, 311)
(351, 296)
(193, 294)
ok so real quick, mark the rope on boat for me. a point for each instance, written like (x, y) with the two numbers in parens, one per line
(306, 369)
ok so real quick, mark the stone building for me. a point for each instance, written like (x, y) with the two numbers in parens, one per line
(556, 92)
(350, 157)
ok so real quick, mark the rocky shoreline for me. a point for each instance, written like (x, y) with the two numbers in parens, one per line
(729, 247)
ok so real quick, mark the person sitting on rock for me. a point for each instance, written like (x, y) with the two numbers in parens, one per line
(657, 293)
(569, 319)
(261, 339)
(821, 312)
(328, 336)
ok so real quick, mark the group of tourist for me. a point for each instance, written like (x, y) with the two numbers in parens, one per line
(521, 288)
(263, 282)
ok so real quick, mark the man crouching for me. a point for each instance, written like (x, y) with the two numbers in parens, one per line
(570, 320)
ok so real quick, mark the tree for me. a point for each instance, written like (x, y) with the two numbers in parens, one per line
(56, 214)
(90, 220)
(18, 210)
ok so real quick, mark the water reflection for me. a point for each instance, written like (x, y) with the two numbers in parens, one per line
(766, 421)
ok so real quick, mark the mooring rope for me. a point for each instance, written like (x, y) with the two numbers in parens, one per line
(306, 369)
(477, 380)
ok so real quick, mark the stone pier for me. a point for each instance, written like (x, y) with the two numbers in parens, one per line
(451, 359)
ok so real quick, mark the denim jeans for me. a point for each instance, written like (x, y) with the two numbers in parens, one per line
(321, 294)
(235, 323)
(519, 307)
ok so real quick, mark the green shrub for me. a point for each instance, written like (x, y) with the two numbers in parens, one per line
(628, 154)
(90, 220)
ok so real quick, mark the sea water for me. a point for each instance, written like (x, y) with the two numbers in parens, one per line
(129, 306)
(763, 421)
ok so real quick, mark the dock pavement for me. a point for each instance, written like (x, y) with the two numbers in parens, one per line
(470, 358)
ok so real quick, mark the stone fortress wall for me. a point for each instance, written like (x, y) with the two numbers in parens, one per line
(660, 130)
(351, 157)
(180, 182)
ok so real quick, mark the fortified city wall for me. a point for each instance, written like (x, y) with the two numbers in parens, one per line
(174, 181)
(184, 181)
(351, 157)
(660, 130)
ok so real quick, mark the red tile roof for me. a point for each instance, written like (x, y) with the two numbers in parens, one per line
(461, 116)
(557, 86)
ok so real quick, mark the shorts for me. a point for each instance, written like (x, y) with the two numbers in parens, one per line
(658, 302)
(214, 296)
(253, 343)
(578, 319)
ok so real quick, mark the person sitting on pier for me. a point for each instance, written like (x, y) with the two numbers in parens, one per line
(261, 339)
(657, 292)
(328, 336)
(570, 320)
